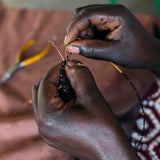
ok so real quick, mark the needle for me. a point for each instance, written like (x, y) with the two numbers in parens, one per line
(56, 49)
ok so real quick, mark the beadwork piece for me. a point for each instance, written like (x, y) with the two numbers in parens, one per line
(65, 92)
(139, 99)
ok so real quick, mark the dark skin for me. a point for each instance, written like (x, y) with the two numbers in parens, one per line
(86, 127)
(126, 43)
(75, 127)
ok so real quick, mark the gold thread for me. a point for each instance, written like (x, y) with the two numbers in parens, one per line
(118, 69)
(80, 64)
(136, 92)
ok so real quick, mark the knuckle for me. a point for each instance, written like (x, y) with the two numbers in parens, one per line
(44, 124)
(69, 28)
(54, 104)
(82, 71)
(88, 52)
(76, 73)
(34, 88)
(79, 9)
(42, 130)
(44, 133)
(83, 12)
(76, 11)
(46, 127)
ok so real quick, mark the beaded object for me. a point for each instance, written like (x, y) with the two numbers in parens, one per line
(140, 137)
(150, 145)
(66, 91)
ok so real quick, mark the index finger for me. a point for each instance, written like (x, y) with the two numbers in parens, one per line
(81, 23)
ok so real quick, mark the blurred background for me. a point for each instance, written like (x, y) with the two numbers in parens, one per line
(136, 6)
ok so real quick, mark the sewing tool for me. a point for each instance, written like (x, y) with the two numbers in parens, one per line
(23, 63)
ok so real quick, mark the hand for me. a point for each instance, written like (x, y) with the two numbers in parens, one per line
(112, 33)
(84, 127)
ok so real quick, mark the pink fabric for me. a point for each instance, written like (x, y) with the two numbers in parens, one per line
(19, 138)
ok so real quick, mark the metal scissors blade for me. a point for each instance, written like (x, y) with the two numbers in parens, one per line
(10, 73)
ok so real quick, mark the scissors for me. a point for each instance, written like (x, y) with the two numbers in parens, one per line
(23, 63)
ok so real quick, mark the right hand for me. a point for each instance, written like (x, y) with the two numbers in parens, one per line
(85, 126)
(112, 33)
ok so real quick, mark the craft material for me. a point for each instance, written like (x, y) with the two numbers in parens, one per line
(139, 99)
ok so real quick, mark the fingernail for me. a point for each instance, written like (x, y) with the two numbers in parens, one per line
(65, 40)
(71, 63)
(73, 49)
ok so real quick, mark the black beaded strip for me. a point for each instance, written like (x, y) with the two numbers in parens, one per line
(66, 91)
(141, 105)
(139, 99)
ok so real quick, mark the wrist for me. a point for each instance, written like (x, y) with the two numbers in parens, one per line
(111, 142)
(153, 63)
(115, 146)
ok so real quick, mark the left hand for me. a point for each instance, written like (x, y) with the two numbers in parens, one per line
(112, 33)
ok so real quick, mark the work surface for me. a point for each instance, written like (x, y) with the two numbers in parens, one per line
(19, 138)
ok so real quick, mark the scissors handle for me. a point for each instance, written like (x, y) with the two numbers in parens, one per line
(11, 72)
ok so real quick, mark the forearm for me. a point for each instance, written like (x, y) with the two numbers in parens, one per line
(116, 145)
(154, 62)
(110, 140)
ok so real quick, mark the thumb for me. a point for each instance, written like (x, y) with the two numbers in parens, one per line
(81, 81)
(94, 49)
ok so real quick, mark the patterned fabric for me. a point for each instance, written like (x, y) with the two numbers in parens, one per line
(150, 146)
